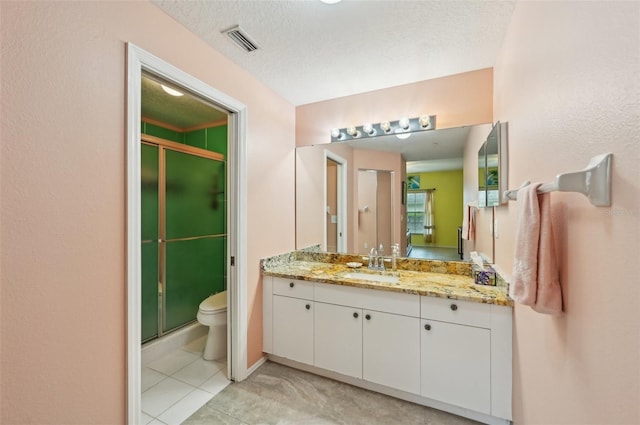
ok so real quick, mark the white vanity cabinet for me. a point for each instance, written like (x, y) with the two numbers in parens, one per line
(460, 343)
(338, 339)
(391, 350)
(366, 334)
(292, 327)
(449, 354)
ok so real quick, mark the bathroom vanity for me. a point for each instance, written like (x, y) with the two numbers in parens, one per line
(425, 333)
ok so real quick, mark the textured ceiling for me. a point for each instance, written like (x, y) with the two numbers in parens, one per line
(310, 51)
(183, 112)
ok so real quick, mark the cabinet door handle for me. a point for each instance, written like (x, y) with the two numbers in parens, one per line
(454, 307)
(368, 317)
(291, 284)
(355, 315)
(427, 327)
(308, 306)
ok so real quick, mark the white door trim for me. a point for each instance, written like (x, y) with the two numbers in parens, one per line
(342, 200)
(139, 60)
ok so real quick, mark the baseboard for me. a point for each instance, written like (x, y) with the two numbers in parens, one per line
(256, 365)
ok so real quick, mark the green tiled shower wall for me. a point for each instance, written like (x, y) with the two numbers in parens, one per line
(213, 139)
(196, 211)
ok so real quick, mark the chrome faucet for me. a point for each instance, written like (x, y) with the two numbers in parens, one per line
(373, 259)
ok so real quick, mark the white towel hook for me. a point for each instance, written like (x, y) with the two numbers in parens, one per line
(594, 182)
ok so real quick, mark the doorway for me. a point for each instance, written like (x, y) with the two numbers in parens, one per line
(139, 62)
(335, 196)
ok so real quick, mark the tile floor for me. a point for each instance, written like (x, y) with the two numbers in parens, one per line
(279, 395)
(178, 384)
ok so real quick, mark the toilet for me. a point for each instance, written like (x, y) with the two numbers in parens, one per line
(213, 313)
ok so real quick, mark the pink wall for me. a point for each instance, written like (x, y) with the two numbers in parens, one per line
(462, 99)
(567, 82)
(62, 169)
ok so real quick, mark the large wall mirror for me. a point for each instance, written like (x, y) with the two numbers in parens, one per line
(408, 191)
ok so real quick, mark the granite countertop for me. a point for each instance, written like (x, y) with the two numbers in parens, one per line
(412, 277)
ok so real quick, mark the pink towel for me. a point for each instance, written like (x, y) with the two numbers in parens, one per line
(535, 269)
(472, 223)
(469, 223)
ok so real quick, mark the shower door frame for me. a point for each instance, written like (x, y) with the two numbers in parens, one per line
(163, 145)
(139, 60)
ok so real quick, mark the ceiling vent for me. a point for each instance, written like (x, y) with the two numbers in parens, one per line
(239, 37)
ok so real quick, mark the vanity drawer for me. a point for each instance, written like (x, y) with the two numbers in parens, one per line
(456, 311)
(293, 288)
(369, 299)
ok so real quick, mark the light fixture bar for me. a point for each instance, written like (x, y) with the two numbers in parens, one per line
(384, 128)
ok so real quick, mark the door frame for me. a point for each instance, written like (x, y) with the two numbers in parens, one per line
(139, 60)
(342, 200)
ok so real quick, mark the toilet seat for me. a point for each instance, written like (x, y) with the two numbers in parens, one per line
(215, 303)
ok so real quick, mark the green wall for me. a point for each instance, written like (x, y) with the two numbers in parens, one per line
(447, 206)
(213, 139)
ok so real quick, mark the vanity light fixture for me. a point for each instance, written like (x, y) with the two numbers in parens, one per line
(353, 132)
(401, 128)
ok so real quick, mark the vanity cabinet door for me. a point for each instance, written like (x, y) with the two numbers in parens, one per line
(338, 339)
(456, 364)
(293, 328)
(391, 350)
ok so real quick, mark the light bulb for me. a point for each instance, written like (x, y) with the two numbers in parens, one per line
(385, 126)
(351, 131)
(368, 128)
(335, 133)
(172, 92)
(424, 121)
(404, 123)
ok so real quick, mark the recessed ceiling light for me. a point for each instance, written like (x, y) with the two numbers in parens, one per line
(330, 1)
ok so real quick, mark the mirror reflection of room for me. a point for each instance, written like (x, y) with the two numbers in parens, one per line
(437, 178)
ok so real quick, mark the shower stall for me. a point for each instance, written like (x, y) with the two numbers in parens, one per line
(184, 233)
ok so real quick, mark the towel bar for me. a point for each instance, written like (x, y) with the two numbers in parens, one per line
(594, 182)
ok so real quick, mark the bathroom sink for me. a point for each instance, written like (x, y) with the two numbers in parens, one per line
(372, 277)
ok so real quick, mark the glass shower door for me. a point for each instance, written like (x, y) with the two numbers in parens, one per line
(194, 243)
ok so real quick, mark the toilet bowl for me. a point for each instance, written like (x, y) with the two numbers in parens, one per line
(213, 313)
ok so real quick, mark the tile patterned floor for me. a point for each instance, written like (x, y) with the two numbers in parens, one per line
(276, 394)
(178, 384)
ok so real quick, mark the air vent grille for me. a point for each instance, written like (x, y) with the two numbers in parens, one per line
(240, 38)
